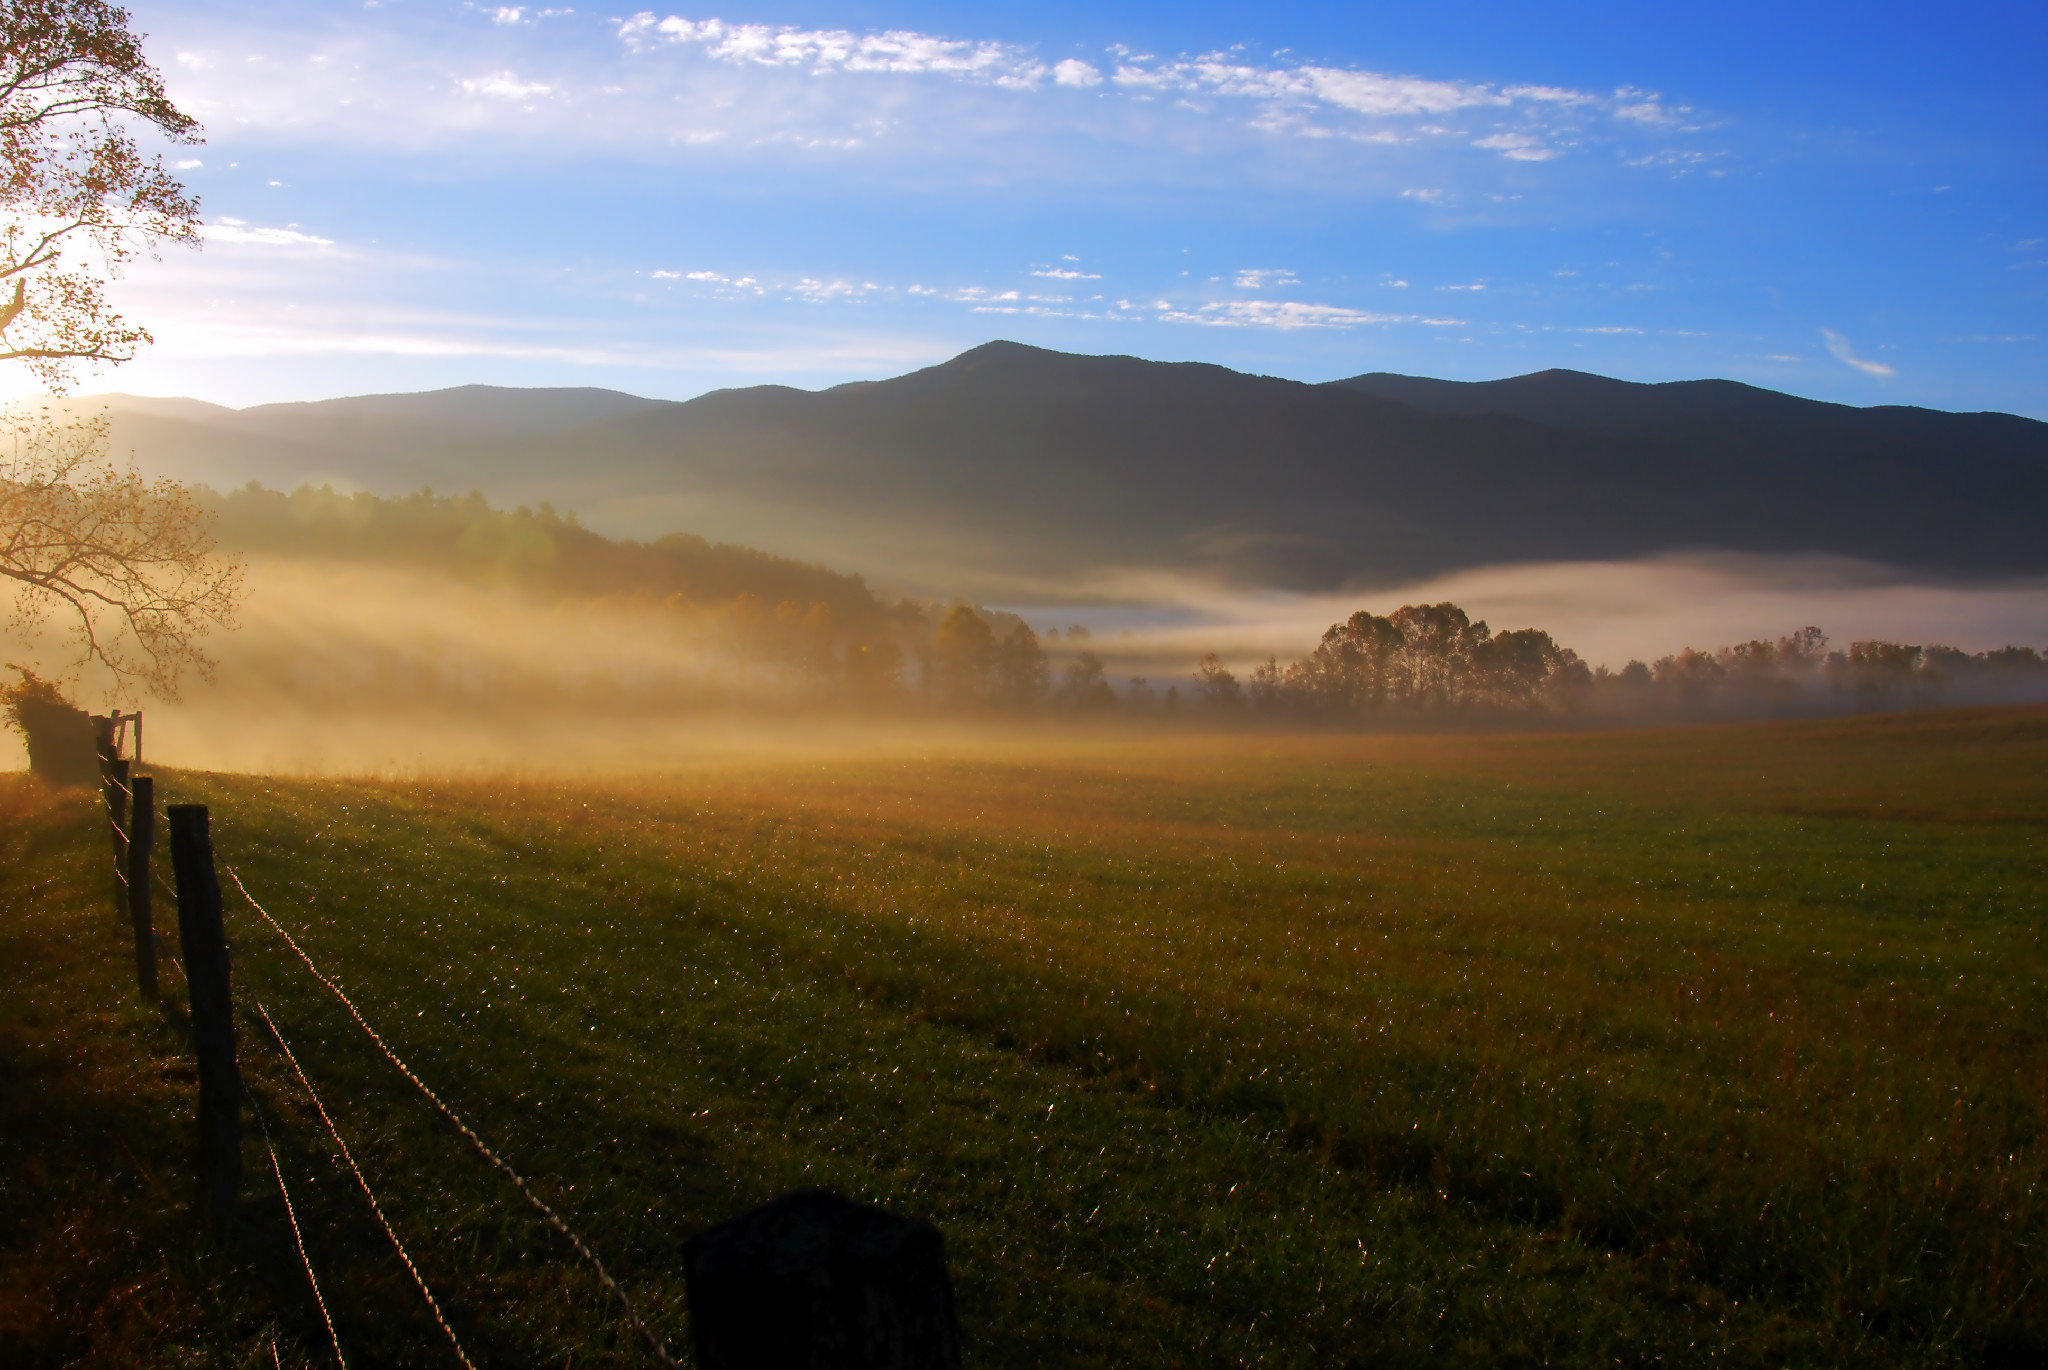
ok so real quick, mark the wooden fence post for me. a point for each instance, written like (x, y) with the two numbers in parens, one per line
(204, 942)
(141, 836)
(815, 1281)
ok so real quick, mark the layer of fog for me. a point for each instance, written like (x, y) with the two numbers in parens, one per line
(1608, 612)
(352, 668)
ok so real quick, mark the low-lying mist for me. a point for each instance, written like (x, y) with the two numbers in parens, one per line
(343, 666)
(1610, 613)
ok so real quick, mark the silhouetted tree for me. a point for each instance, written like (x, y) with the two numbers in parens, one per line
(1429, 666)
(1215, 686)
(127, 564)
(1266, 686)
(965, 650)
(1350, 669)
(1082, 685)
(1514, 670)
(1020, 668)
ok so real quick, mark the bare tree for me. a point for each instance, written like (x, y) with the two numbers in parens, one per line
(80, 199)
(127, 563)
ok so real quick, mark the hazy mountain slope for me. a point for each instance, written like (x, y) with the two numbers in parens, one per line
(443, 438)
(1011, 465)
(1050, 463)
(463, 412)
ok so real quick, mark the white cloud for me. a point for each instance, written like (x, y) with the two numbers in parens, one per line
(237, 231)
(1838, 347)
(712, 91)
(1519, 147)
(1647, 112)
(1362, 92)
(1060, 273)
(1550, 95)
(507, 14)
(1429, 195)
(1644, 107)
(1285, 315)
(1262, 277)
(188, 164)
(1290, 98)
(814, 291)
(505, 86)
(821, 50)
(720, 278)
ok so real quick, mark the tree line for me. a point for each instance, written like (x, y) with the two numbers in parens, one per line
(1434, 662)
(816, 634)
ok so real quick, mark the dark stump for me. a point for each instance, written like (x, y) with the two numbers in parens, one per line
(815, 1281)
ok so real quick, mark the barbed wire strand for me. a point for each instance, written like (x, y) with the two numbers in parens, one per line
(368, 1193)
(298, 1237)
(163, 943)
(604, 1276)
(263, 1122)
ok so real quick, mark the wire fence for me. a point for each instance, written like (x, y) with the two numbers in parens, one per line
(654, 1343)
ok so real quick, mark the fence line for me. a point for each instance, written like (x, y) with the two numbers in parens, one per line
(298, 1237)
(582, 1249)
(368, 1193)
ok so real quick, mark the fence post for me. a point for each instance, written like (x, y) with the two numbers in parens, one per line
(141, 836)
(204, 942)
(815, 1281)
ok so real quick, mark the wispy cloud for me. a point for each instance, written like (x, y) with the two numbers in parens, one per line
(505, 85)
(1838, 347)
(1285, 315)
(226, 230)
(1519, 147)
(1260, 278)
(541, 84)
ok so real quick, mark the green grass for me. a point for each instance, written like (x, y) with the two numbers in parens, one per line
(1721, 1045)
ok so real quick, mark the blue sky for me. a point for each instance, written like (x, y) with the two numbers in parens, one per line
(1840, 201)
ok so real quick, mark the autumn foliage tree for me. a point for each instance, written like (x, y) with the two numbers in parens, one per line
(128, 565)
(81, 198)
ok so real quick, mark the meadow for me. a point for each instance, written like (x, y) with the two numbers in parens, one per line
(1705, 1046)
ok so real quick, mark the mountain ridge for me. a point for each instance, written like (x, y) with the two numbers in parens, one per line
(1016, 465)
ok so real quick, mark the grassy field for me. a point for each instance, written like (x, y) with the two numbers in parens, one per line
(1713, 1046)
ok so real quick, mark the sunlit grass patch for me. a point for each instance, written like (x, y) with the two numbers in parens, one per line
(1711, 1044)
